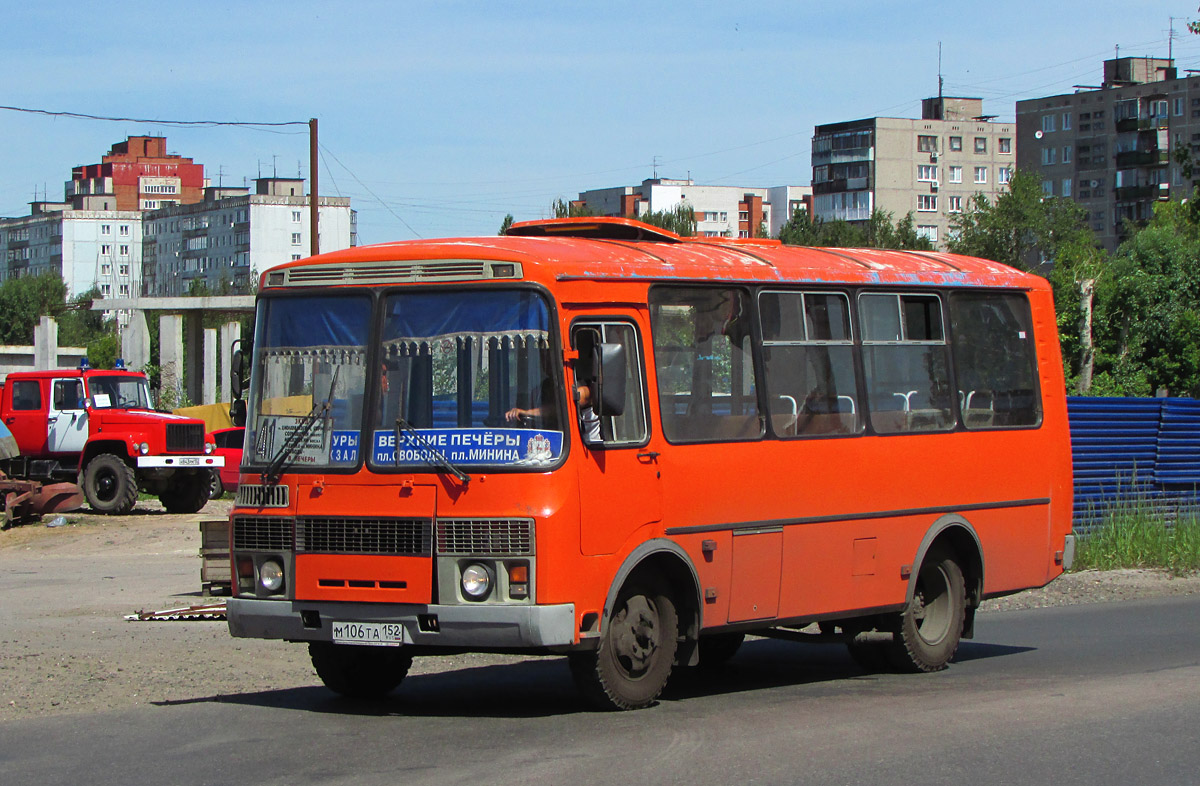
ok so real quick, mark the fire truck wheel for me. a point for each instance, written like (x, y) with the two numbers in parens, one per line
(110, 484)
(931, 625)
(186, 493)
(359, 672)
(637, 649)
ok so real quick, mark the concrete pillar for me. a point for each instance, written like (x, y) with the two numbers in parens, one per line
(210, 366)
(230, 332)
(194, 353)
(45, 344)
(170, 360)
(135, 341)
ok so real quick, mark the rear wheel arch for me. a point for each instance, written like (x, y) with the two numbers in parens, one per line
(954, 534)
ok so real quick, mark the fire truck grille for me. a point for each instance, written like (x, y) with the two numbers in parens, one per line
(485, 537)
(185, 437)
(350, 535)
(262, 533)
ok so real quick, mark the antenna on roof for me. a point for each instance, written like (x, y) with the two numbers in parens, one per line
(655, 167)
(939, 70)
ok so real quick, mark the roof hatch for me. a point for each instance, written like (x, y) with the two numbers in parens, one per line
(597, 227)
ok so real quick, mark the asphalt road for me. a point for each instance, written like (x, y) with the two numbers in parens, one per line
(1100, 694)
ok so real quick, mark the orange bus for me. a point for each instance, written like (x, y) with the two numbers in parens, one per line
(595, 438)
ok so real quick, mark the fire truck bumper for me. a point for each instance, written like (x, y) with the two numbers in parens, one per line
(183, 462)
(475, 626)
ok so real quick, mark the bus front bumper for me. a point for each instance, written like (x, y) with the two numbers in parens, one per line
(475, 626)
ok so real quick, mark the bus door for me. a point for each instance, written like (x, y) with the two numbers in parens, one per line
(619, 476)
(67, 420)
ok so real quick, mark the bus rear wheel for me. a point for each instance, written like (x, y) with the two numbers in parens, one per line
(359, 672)
(930, 628)
(630, 668)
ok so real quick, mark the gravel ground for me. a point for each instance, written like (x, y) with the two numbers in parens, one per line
(66, 647)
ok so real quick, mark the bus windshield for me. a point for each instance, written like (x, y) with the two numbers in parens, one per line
(308, 380)
(471, 372)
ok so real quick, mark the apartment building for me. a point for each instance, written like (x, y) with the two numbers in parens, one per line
(931, 167)
(1112, 147)
(721, 211)
(137, 174)
(232, 234)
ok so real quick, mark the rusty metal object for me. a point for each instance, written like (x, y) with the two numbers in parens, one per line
(28, 500)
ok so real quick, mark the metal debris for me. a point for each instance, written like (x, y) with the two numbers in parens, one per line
(212, 611)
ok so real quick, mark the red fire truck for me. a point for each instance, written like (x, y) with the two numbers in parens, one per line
(98, 425)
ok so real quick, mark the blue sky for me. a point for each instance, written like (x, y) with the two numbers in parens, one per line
(438, 118)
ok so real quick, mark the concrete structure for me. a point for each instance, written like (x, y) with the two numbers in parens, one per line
(930, 167)
(221, 240)
(137, 174)
(721, 211)
(1112, 148)
(45, 354)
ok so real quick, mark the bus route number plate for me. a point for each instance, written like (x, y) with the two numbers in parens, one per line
(377, 634)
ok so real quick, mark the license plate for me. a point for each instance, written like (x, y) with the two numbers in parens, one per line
(377, 634)
(189, 461)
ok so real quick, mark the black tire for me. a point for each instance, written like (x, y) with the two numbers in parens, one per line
(215, 487)
(630, 668)
(929, 630)
(871, 656)
(110, 484)
(359, 672)
(186, 492)
(718, 648)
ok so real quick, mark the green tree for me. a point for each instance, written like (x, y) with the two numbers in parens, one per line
(563, 209)
(1022, 227)
(26, 299)
(505, 224)
(680, 219)
(878, 231)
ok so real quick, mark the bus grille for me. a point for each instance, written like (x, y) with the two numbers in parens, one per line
(353, 535)
(390, 272)
(480, 537)
(253, 495)
(262, 533)
(185, 437)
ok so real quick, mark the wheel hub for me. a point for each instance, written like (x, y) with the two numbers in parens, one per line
(635, 637)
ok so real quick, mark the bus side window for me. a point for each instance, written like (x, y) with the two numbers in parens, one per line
(906, 362)
(629, 427)
(994, 360)
(808, 354)
(707, 389)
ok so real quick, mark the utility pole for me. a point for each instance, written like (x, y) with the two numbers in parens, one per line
(314, 242)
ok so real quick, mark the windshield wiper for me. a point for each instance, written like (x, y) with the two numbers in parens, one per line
(434, 456)
(284, 456)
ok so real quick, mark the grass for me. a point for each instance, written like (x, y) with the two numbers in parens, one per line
(1136, 534)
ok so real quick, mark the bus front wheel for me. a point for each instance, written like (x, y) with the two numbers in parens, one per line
(637, 649)
(930, 627)
(359, 672)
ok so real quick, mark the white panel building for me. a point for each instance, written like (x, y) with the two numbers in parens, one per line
(234, 234)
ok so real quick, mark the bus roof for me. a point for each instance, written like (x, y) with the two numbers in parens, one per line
(616, 249)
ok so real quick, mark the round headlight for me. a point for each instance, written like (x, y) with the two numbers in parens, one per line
(209, 447)
(270, 575)
(476, 581)
(144, 448)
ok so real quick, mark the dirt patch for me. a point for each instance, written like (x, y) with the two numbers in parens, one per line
(66, 647)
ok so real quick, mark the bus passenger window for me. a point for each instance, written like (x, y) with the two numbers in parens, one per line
(808, 355)
(994, 360)
(610, 429)
(906, 363)
(702, 354)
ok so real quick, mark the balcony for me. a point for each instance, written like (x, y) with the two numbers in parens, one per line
(1136, 193)
(847, 156)
(1140, 123)
(1141, 158)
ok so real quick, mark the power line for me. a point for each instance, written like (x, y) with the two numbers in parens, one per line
(201, 123)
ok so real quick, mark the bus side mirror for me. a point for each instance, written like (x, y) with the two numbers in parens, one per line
(237, 373)
(610, 381)
(237, 412)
